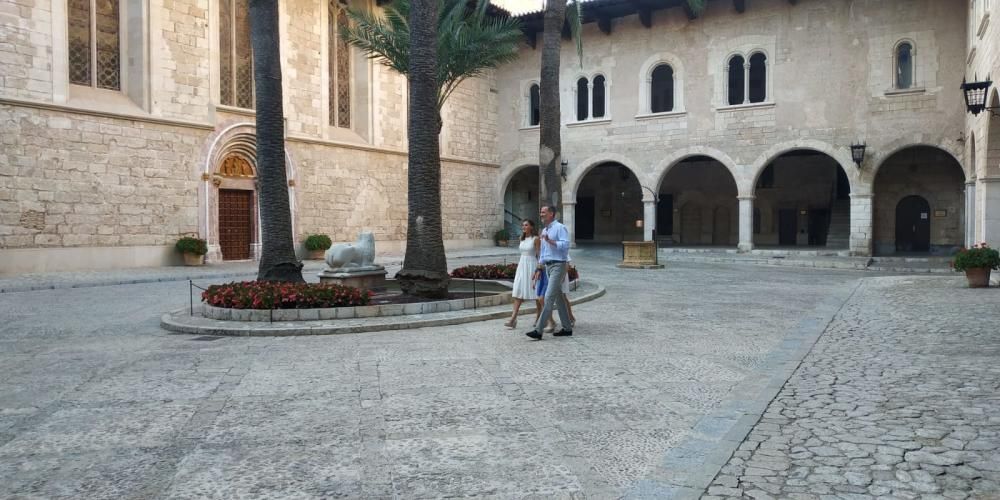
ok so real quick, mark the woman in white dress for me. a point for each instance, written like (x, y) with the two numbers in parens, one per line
(524, 288)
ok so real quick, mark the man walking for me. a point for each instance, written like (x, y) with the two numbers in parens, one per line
(552, 261)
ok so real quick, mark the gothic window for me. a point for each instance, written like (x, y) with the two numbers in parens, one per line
(662, 89)
(534, 114)
(339, 66)
(904, 65)
(95, 43)
(582, 98)
(235, 56)
(597, 110)
(757, 77)
(736, 80)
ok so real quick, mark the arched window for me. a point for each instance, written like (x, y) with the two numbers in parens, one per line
(235, 59)
(736, 80)
(339, 67)
(534, 114)
(661, 91)
(758, 78)
(597, 109)
(904, 65)
(582, 98)
(95, 43)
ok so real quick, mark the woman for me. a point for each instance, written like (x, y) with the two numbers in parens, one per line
(524, 289)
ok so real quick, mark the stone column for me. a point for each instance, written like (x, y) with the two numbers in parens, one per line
(569, 220)
(861, 224)
(746, 224)
(990, 211)
(648, 219)
(970, 213)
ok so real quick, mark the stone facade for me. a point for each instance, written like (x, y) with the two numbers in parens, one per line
(830, 82)
(982, 132)
(91, 178)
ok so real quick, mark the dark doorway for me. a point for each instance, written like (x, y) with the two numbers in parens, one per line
(913, 225)
(585, 218)
(788, 227)
(235, 223)
(665, 215)
(819, 226)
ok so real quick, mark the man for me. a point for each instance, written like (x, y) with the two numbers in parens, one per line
(552, 260)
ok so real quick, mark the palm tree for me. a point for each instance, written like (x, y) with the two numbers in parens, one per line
(549, 137)
(437, 45)
(277, 259)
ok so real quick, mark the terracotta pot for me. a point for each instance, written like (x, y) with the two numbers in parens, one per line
(191, 259)
(317, 254)
(979, 277)
(502, 243)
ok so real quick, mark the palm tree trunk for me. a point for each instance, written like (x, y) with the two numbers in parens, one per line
(425, 268)
(550, 143)
(277, 259)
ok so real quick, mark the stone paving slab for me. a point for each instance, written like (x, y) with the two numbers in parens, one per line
(898, 399)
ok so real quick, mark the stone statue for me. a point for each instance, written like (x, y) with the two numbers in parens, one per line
(352, 256)
(353, 264)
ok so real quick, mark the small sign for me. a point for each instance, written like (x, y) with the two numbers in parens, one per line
(923, 215)
(940, 213)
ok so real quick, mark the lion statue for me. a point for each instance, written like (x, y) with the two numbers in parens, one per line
(360, 254)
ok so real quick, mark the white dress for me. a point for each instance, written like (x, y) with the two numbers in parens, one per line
(523, 288)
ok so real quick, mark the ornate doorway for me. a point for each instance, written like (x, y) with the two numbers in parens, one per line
(235, 223)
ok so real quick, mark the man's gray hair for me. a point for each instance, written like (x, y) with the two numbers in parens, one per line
(550, 208)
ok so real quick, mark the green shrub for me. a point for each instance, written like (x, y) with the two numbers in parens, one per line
(486, 272)
(273, 295)
(980, 255)
(501, 235)
(188, 244)
(318, 242)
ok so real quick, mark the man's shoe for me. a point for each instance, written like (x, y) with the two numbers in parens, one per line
(534, 334)
(563, 333)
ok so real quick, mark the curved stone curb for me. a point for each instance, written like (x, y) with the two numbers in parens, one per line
(180, 321)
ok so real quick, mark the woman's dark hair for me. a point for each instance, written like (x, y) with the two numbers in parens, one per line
(530, 223)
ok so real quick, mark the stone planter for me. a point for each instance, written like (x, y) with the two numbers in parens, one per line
(639, 255)
(317, 254)
(191, 259)
(502, 243)
(979, 277)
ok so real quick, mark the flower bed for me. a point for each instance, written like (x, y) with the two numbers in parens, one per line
(486, 272)
(271, 295)
(499, 272)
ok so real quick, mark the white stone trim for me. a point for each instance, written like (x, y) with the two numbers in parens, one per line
(740, 107)
(653, 116)
(646, 79)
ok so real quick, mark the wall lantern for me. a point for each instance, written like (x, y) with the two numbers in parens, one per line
(975, 95)
(858, 153)
(562, 171)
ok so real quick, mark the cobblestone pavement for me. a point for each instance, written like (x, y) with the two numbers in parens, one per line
(900, 398)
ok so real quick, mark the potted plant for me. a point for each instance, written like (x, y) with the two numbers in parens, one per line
(977, 262)
(193, 249)
(501, 237)
(317, 244)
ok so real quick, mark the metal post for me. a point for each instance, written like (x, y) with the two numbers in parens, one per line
(191, 296)
(475, 296)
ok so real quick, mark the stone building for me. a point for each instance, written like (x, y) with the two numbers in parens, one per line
(733, 128)
(129, 123)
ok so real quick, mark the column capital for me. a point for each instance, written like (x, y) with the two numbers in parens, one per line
(568, 203)
(862, 196)
(748, 197)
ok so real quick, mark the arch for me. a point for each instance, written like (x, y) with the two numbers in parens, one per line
(889, 150)
(534, 105)
(757, 78)
(508, 171)
(576, 175)
(735, 80)
(582, 98)
(599, 96)
(646, 77)
(842, 156)
(662, 167)
(991, 166)
(236, 139)
(661, 89)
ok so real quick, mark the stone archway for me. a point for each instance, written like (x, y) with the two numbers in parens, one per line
(608, 205)
(699, 184)
(803, 200)
(928, 173)
(520, 199)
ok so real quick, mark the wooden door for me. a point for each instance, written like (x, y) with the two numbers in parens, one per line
(788, 227)
(235, 223)
(913, 225)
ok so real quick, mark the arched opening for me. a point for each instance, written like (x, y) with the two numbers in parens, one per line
(697, 204)
(597, 109)
(758, 77)
(661, 92)
(904, 65)
(803, 200)
(608, 205)
(736, 79)
(582, 98)
(992, 166)
(919, 203)
(520, 200)
(534, 115)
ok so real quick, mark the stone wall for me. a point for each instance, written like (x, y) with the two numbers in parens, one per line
(982, 132)
(26, 49)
